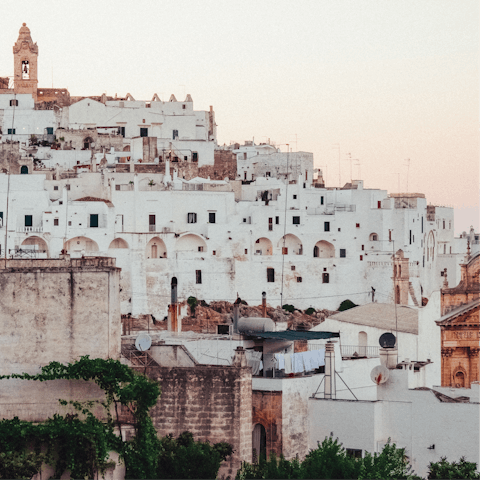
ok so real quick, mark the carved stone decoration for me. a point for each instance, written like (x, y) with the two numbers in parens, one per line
(447, 352)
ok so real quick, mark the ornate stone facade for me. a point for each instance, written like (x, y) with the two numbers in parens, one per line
(460, 327)
(25, 55)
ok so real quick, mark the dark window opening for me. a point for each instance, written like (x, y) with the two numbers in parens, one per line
(14, 103)
(55, 187)
(192, 218)
(379, 204)
(325, 277)
(151, 223)
(211, 217)
(24, 170)
(246, 251)
(284, 250)
(270, 275)
(144, 132)
(194, 156)
(277, 220)
(358, 225)
(198, 276)
(67, 186)
(185, 158)
(121, 131)
(294, 197)
(11, 131)
(175, 134)
(353, 452)
(28, 220)
(299, 279)
(49, 130)
(93, 220)
(200, 248)
(326, 226)
(343, 252)
(321, 200)
(55, 222)
(361, 257)
(296, 220)
(117, 187)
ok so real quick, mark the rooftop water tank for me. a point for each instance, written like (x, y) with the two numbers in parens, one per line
(255, 325)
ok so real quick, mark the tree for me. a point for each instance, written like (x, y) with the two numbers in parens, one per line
(346, 304)
(185, 458)
(453, 470)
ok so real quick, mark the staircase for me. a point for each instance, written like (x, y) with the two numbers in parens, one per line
(136, 358)
(412, 294)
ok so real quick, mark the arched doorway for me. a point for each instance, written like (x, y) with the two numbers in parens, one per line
(291, 246)
(259, 442)
(81, 245)
(35, 247)
(156, 248)
(24, 170)
(459, 379)
(323, 249)
(362, 344)
(263, 246)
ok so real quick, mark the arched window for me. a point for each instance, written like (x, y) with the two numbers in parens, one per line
(259, 442)
(362, 344)
(459, 380)
(24, 170)
(373, 237)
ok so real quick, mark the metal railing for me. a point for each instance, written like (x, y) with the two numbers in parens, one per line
(29, 229)
(359, 351)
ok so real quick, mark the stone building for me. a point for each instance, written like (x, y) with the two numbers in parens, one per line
(460, 327)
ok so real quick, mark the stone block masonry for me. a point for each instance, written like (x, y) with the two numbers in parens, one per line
(213, 402)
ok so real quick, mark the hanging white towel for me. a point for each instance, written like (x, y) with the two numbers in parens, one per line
(309, 361)
(280, 361)
(321, 357)
(288, 363)
(297, 363)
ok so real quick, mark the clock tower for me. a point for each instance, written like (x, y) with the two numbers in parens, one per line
(25, 57)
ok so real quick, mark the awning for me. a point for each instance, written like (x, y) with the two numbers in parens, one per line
(295, 335)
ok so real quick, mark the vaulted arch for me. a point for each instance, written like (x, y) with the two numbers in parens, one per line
(323, 249)
(190, 243)
(80, 245)
(38, 245)
(118, 243)
(263, 246)
(156, 248)
(291, 246)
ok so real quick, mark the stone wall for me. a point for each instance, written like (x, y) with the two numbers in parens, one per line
(212, 402)
(75, 139)
(58, 310)
(11, 160)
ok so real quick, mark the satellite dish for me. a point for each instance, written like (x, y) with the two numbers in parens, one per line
(379, 374)
(387, 340)
(143, 342)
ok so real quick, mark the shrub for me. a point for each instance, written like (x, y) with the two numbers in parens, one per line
(346, 304)
(453, 470)
(289, 308)
(310, 311)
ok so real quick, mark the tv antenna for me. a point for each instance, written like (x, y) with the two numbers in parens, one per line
(143, 342)
(379, 374)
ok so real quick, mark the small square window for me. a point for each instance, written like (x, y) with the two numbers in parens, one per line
(244, 220)
(324, 269)
(60, 202)
(299, 279)
(200, 248)
(294, 197)
(284, 250)
(296, 220)
(117, 187)
(339, 229)
(267, 174)
(55, 222)
(55, 187)
(198, 276)
(144, 132)
(293, 267)
(358, 225)
(191, 218)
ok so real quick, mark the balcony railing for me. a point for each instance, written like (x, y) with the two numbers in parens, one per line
(359, 351)
(29, 229)
(152, 228)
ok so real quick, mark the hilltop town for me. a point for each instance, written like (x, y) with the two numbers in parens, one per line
(262, 291)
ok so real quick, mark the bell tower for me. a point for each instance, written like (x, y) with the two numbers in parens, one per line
(25, 59)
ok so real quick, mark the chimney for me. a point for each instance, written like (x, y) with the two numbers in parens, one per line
(330, 385)
(239, 358)
(264, 305)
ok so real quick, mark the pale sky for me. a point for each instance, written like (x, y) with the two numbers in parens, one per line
(385, 80)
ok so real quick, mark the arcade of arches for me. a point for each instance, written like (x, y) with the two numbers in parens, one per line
(460, 328)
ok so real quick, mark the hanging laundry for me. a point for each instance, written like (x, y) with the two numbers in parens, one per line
(297, 363)
(288, 363)
(279, 357)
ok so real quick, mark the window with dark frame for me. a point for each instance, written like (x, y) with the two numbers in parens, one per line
(321, 200)
(343, 252)
(198, 276)
(270, 275)
(277, 220)
(325, 277)
(326, 226)
(191, 218)
(194, 156)
(296, 220)
(28, 220)
(55, 222)
(211, 217)
(94, 220)
(143, 132)
(175, 134)
(299, 279)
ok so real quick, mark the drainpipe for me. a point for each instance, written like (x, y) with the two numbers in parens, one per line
(264, 305)
(330, 386)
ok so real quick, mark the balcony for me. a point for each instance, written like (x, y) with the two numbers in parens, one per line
(29, 229)
(359, 351)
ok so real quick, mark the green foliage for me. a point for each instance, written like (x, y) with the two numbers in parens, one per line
(185, 458)
(330, 460)
(203, 303)
(192, 302)
(80, 442)
(310, 311)
(288, 308)
(20, 464)
(346, 304)
(453, 470)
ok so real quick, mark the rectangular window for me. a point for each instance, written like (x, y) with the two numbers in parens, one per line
(200, 248)
(284, 250)
(358, 225)
(294, 197)
(363, 247)
(14, 103)
(299, 279)
(121, 131)
(11, 131)
(245, 155)
(277, 220)
(353, 452)
(267, 174)
(55, 222)
(144, 132)
(422, 224)
(28, 220)
(343, 253)
(325, 277)
(55, 187)
(185, 158)
(410, 237)
(246, 251)
(293, 267)
(321, 200)
(191, 218)
(444, 224)
(361, 257)
(296, 220)
(326, 226)
(214, 252)
(198, 276)
(211, 217)
(93, 220)
(67, 186)
(151, 223)
(194, 156)
(49, 130)
(270, 275)
(175, 134)
(69, 223)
